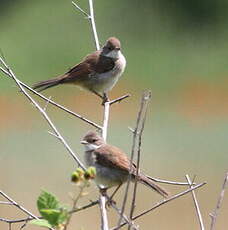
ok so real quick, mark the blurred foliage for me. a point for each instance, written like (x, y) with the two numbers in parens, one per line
(175, 41)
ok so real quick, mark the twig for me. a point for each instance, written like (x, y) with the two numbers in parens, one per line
(93, 25)
(119, 99)
(145, 102)
(102, 199)
(80, 9)
(44, 114)
(47, 102)
(54, 103)
(5, 202)
(91, 204)
(168, 182)
(135, 133)
(18, 205)
(105, 120)
(214, 215)
(161, 203)
(196, 204)
(75, 201)
(104, 216)
(129, 222)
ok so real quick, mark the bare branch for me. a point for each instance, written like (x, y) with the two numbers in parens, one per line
(168, 182)
(214, 215)
(18, 205)
(47, 102)
(196, 204)
(44, 114)
(105, 120)
(143, 105)
(54, 103)
(104, 216)
(81, 10)
(161, 203)
(93, 25)
(119, 99)
(5, 202)
(91, 204)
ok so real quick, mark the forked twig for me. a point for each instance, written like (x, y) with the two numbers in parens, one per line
(196, 204)
(143, 105)
(146, 100)
(44, 114)
(54, 103)
(169, 182)
(160, 204)
(13, 202)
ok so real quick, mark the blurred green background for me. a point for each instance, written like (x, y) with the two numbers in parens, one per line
(178, 49)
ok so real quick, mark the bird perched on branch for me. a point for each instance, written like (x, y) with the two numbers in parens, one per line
(112, 165)
(98, 72)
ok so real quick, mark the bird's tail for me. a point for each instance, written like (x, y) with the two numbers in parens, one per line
(42, 85)
(147, 181)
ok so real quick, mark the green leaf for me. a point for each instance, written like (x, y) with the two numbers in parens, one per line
(47, 200)
(51, 210)
(41, 223)
(51, 215)
(54, 216)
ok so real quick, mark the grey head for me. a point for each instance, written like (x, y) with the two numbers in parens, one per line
(92, 141)
(111, 48)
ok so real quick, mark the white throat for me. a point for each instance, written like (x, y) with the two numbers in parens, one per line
(91, 147)
(113, 54)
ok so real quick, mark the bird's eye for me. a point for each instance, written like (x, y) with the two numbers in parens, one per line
(94, 140)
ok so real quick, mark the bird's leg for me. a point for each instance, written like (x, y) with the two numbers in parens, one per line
(110, 199)
(105, 98)
(115, 191)
(93, 91)
(103, 191)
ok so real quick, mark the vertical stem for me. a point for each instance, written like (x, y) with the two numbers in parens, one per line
(104, 217)
(93, 25)
(105, 120)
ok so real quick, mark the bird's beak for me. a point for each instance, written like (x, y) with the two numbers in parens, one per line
(84, 142)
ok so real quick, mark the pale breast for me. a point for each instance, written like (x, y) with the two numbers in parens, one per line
(106, 81)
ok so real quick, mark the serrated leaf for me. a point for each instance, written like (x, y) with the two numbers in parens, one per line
(47, 200)
(41, 223)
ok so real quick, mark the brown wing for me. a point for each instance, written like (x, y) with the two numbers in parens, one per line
(112, 157)
(93, 63)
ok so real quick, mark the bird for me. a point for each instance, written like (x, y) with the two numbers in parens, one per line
(113, 168)
(98, 72)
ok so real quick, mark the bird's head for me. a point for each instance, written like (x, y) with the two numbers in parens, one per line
(92, 141)
(111, 48)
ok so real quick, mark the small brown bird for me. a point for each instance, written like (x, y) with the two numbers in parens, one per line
(98, 72)
(112, 165)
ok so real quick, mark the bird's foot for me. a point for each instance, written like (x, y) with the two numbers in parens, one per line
(110, 202)
(105, 99)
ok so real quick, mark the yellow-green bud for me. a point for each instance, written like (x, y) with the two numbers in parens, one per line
(80, 171)
(90, 173)
(75, 177)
